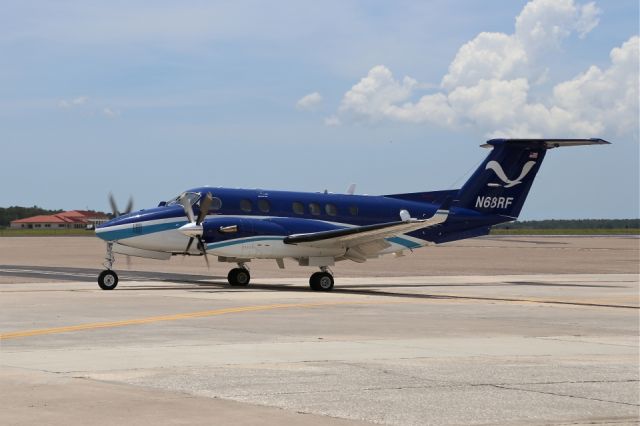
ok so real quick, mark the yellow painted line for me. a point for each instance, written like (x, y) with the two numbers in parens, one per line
(200, 314)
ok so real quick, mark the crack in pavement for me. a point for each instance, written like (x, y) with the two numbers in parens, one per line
(584, 341)
(562, 394)
(448, 385)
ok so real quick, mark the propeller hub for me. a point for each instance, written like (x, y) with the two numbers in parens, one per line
(191, 229)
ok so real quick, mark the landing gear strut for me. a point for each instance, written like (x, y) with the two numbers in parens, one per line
(321, 281)
(108, 279)
(239, 276)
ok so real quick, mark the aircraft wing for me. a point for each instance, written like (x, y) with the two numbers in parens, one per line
(364, 241)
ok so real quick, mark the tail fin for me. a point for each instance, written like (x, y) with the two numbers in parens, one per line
(502, 182)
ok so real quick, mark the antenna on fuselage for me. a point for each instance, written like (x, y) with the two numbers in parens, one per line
(352, 189)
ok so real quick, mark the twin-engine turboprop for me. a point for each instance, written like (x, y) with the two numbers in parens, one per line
(319, 229)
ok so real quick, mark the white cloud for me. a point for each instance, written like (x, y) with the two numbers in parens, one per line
(491, 102)
(80, 100)
(539, 28)
(545, 23)
(309, 102)
(589, 19)
(374, 95)
(488, 83)
(109, 112)
(606, 97)
(488, 56)
(332, 121)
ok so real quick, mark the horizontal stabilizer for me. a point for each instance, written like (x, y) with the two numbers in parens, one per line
(501, 183)
(545, 143)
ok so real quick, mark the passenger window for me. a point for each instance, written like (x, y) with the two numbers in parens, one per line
(331, 209)
(216, 204)
(246, 206)
(314, 208)
(353, 210)
(264, 205)
(298, 208)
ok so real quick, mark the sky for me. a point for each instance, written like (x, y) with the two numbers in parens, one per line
(149, 98)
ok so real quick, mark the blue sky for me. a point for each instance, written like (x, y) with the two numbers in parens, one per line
(150, 98)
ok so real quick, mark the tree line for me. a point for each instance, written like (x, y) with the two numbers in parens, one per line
(573, 224)
(7, 214)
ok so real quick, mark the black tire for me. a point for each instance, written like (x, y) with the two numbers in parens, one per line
(321, 281)
(107, 280)
(239, 277)
(313, 281)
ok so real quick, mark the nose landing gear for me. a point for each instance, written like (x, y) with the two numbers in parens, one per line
(108, 279)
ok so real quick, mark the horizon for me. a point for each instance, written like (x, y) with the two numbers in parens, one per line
(506, 223)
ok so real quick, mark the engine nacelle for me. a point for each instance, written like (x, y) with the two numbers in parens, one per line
(225, 228)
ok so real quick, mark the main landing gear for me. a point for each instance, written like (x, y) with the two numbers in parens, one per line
(321, 281)
(239, 276)
(108, 279)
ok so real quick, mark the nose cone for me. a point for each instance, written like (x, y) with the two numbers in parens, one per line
(101, 231)
(120, 227)
(106, 230)
(137, 223)
(191, 229)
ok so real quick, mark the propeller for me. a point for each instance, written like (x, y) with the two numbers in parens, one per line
(194, 229)
(116, 213)
(114, 206)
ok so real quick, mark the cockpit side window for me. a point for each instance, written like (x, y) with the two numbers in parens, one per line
(192, 198)
(216, 204)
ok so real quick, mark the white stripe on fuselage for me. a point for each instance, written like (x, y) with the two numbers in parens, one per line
(143, 223)
(172, 240)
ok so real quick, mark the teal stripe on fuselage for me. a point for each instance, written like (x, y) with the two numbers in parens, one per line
(404, 242)
(210, 246)
(227, 243)
(122, 234)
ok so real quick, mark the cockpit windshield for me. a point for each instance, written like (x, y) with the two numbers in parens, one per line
(192, 198)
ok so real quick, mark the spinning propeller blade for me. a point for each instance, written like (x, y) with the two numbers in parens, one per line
(203, 249)
(129, 207)
(205, 205)
(188, 229)
(114, 206)
(189, 244)
(186, 206)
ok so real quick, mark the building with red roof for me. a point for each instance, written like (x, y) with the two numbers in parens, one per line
(74, 219)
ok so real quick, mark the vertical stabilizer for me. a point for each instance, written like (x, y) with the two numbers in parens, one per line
(502, 182)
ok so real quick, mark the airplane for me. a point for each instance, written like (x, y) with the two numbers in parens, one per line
(320, 229)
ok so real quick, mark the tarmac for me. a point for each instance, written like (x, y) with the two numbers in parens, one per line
(495, 330)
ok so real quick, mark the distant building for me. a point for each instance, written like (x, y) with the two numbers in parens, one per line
(75, 219)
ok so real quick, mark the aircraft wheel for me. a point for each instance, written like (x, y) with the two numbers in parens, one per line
(239, 277)
(107, 280)
(313, 281)
(321, 281)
